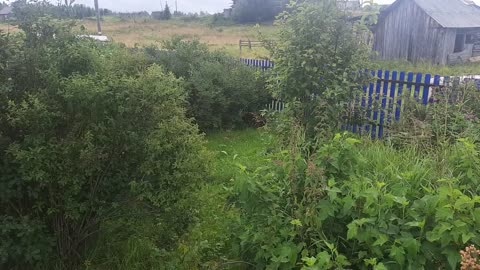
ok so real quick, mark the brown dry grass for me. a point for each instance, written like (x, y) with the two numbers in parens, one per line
(144, 32)
(8, 28)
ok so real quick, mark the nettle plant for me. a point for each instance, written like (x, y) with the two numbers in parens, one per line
(361, 205)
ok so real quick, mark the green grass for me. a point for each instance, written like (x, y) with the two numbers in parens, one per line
(211, 242)
(235, 150)
(426, 68)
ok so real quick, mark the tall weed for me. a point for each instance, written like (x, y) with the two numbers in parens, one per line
(360, 204)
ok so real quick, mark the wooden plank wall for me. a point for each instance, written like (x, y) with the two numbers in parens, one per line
(408, 33)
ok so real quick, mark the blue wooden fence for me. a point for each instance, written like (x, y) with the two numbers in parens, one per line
(381, 100)
(259, 64)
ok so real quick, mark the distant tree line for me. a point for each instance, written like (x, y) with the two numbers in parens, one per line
(67, 10)
(247, 11)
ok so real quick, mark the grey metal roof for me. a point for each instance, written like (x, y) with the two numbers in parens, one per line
(6, 11)
(452, 13)
(448, 13)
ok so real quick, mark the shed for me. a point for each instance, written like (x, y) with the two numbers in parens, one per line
(6, 13)
(436, 31)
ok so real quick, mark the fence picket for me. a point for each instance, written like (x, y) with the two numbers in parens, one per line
(410, 83)
(392, 96)
(399, 96)
(376, 107)
(426, 89)
(418, 85)
(386, 85)
(369, 104)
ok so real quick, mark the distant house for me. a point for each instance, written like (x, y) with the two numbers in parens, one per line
(349, 4)
(436, 31)
(6, 13)
(158, 15)
(227, 13)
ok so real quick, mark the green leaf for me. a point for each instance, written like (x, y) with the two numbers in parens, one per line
(352, 141)
(309, 261)
(381, 240)
(467, 236)
(352, 231)
(296, 222)
(453, 257)
(398, 254)
(380, 266)
(437, 233)
(323, 259)
(444, 213)
(401, 200)
(418, 224)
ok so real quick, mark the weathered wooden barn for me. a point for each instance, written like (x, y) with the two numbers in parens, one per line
(436, 31)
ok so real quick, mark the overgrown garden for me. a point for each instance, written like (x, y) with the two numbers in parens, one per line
(104, 163)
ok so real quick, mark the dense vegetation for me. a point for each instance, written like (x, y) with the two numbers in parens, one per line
(86, 135)
(104, 166)
(220, 89)
(96, 141)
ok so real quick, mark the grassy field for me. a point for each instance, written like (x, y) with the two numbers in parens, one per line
(144, 32)
(141, 32)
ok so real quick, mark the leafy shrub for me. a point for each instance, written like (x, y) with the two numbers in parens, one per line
(317, 64)
(359, 205)
(89, 136)
(220, 90)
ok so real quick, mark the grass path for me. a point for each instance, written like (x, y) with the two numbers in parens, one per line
(211, 242)
(238, 149)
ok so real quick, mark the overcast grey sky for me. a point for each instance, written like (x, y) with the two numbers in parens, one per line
(211, 6)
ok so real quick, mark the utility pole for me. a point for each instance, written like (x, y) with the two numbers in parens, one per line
(99, 26)
(176, 7)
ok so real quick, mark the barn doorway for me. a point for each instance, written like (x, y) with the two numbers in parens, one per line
(459, 43)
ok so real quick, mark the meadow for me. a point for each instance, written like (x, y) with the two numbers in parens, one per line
(146, 31)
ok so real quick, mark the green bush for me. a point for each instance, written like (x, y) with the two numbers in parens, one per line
(220, 90)
(317, 62)
(361, 205)
(89, 138)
